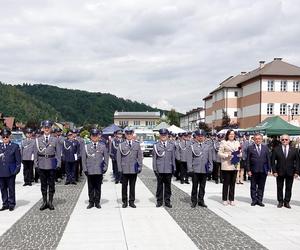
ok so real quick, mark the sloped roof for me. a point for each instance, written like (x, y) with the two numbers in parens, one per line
(276, 67)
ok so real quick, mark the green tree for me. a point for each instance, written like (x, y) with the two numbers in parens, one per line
(225, 119)
(173, 118)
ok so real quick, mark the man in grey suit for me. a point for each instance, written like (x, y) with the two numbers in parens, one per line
(47, 157)
(199, 163)
(94, 163)
(27, 152)
(130, 162)
(163, 166)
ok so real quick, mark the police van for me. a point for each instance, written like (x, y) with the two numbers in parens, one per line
(147, 140)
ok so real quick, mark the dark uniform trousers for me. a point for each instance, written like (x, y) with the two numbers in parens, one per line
(28, 171)
(288, 188)
(70, 171)
(131, 178)
(216, 173)
(76, 166)
(183, 171)
(229, 178)
(36, 174)
(163, 191)
(199, 180)
(7, 186)
(177, 171)
(47, 177)
(94, 188)
(116, 173)
(257, 187)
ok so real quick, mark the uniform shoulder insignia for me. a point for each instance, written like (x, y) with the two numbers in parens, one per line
(137, 141)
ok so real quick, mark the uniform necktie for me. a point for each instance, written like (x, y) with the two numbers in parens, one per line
(285, 151)
(95, 145)
(47, 140)
(129, 143)
(164, 144)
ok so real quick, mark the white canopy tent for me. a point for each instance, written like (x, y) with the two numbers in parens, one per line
(175, 129)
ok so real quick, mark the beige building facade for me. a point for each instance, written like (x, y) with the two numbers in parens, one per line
(249, 98)
(136, 119)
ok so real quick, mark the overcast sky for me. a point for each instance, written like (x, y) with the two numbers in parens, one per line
(166, 53)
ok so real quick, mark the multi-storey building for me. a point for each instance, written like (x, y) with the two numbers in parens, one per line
(191, 119)
(249, 98)
(136, 119)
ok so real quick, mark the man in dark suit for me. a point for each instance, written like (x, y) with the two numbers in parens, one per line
(285, 167)
(258, 165)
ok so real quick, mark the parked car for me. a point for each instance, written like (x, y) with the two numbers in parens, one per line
(17, 137)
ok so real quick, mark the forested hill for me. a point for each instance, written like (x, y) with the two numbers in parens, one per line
(36, 102)
(82, 107)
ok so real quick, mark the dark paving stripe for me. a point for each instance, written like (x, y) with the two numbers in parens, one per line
(43, 229)
(205, 228)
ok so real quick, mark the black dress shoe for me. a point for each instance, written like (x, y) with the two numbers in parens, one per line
(74, 183)
(67, 183)
(116, 182)
(3, 208)
(280, 205)
(29, 184)
(25, 184)
(194, 204)
(253, 203)
(158, 204)
(44, 206)
(168, 205)
(187, 182)
(202, 204)
(217, 182)
(287, 205)
(182, 182)
(90, 205)
(131, 204)
(11, 208)
(97, 205)
(124, 205)
(260, 204)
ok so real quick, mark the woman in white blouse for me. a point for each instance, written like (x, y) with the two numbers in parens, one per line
(230, 153)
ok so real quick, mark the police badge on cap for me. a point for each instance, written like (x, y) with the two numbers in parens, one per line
(47, 124)
(5, 132)
(128, 131)
(163, 131)
(95, 132)
(200, 132)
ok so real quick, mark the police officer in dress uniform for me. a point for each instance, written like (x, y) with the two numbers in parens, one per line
(81, 145)
(199, 162)
(129, 161)
(27, 153)
(60, 173)
(10, 164)
(94, 163)
(115, 142)
(70, 151)
(216, 174)
(163, 167)
(182, 154)
(177, 157)
(47, 157)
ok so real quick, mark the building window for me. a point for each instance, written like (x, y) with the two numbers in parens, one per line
(283, 86)
(150, 123)
(283, 109)
(296, 86)
(236, 94)
(235, 114)
(295, 110)
(270, 108)
(270, 85)
(136, 123)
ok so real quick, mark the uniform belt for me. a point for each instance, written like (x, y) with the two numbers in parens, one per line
(46, 156)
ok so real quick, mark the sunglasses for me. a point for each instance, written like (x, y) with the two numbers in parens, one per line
(5, 137)
(284, 139)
